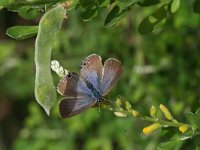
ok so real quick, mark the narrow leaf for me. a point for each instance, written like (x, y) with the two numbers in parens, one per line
(22, 32)
(146, 26)
(88, 14)
(115, 15)
(175, 5)
(126, 3)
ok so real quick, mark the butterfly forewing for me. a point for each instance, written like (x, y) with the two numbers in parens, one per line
(72, 86)
(70, 107)
(91, 73)
(112, 71)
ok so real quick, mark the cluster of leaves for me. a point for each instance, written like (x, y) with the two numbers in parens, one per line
(51, 22)
(117, 9)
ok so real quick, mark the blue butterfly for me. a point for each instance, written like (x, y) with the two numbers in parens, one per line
(84, 91)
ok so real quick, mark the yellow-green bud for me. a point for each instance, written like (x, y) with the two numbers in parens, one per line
(134, 112)
(183, 128)
(118, 102)
(151, 128)
(127, 105)
(166, 112)
(119, 114)
(153, 111)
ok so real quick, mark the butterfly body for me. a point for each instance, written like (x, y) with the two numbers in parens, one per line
(84, 91)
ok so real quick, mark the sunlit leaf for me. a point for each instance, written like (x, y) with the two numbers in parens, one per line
(104, 3)
(22, 32)
(115, 15)
(126, 3)
(175, 5)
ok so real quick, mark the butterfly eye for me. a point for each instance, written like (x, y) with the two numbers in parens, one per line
(69, 75)
(83, 65)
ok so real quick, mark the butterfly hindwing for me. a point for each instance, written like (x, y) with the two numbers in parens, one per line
(70, 107)
(112, 71)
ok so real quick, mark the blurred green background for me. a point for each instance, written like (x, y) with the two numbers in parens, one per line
(161, 67)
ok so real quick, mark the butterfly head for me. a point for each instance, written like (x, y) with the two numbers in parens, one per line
(101, 100)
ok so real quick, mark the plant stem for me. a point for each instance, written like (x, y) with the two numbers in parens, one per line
(164, 123)
(34, 3)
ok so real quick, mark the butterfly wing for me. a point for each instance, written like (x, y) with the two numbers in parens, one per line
(70, 107)
(78, 96)
(72, 86)
(91, 74)
(112, 71)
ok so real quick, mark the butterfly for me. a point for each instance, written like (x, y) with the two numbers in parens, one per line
(89, 88)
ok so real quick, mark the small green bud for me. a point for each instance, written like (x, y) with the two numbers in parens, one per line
(166, 112)
(153, 111)
(127, 105)
(134, 112)
(118, 102)
(120, 114)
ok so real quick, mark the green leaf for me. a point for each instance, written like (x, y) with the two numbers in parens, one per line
(49, 26)
(22, 32)
(175, 5)
(197, 111)
(87, 3)
(198, 118)
(149, 23)
(148, 2)
(192, 120)
(126, 3)
(115, 15)
(146, 26)
(196, 6)
(89, 14)
(104, 3)
(174, 144)
(28, 12)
